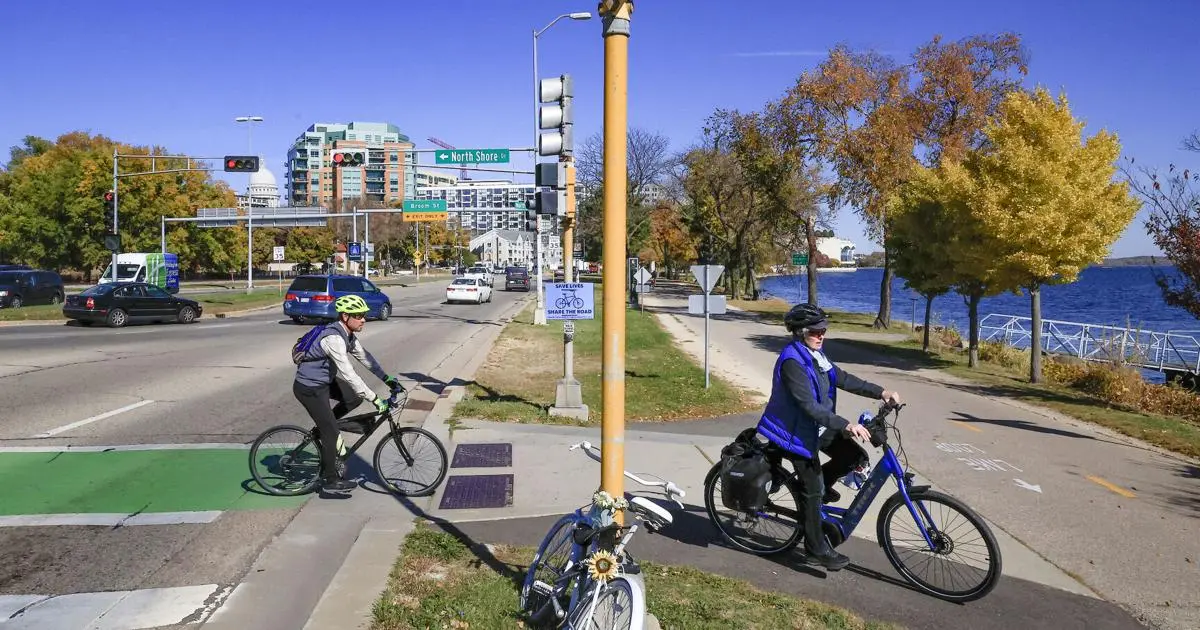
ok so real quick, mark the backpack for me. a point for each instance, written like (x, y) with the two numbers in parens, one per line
(745, 473)
(305, 343)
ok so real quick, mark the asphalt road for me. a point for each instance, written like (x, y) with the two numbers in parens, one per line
(200, 393)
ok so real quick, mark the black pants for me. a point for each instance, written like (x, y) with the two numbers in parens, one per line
(316, 401)
(844, 456)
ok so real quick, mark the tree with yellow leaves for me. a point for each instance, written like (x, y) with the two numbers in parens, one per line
(1048, 195)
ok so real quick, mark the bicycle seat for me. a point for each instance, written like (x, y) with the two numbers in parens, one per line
(653, 515)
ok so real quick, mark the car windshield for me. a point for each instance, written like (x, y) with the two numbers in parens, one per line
(99, 289)
(9, 277)
(469, 281)
(309, 283)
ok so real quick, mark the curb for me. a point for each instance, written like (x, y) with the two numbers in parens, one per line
(248, 311)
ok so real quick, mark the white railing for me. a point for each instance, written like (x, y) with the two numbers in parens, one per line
(1176, 350)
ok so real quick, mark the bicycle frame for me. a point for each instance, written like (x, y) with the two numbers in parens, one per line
(847, 519)
(376, 420)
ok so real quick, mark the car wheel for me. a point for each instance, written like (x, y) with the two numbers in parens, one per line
(57, 298)
(187, 315)
(385, 312)
(117, 318)
(298, 320)
(16, 302)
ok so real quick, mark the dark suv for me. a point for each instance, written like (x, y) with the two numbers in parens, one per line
(516, 278)
(20, 288)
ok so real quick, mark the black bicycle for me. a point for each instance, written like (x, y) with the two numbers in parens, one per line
(285, 460)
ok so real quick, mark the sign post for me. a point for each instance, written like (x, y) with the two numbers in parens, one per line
(707, 276)
(569, 301)
(277, 256)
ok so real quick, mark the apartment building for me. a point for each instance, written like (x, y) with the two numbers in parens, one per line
(386, 176)
(480, 206)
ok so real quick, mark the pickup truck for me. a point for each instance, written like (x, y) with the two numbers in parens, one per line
(480, 273)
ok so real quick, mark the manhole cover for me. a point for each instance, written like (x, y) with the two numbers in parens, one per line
(482, 455)
(464, 492)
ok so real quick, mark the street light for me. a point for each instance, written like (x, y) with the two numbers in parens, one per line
(249, 120)
(539, 315)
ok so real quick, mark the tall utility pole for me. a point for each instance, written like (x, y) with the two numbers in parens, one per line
(615, 15)
(249, 120)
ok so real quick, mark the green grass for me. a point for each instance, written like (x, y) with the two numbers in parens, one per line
(212, 303)
(773, 309)
(993, 379)
(517, 382)
(439, 582)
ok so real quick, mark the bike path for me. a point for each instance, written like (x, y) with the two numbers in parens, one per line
(869, 587)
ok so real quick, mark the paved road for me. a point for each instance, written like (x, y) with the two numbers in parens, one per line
(869, 586)
(81, 405)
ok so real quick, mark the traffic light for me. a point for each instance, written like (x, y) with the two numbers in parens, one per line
(241, 164)
(531, 219)
(550, 202)
(551, 174)
(557, 93)
(109, 198)
(348, 158)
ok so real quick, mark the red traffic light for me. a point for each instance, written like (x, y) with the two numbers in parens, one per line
(241, 164)
(338, 158)
(347, 159)
(109, 196)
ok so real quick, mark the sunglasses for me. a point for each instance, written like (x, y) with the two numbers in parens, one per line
(357, 315)
(814, 332)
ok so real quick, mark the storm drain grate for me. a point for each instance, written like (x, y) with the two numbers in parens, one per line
(465, 492)
(482, 456)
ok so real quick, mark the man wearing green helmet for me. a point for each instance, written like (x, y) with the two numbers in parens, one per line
(326, 374)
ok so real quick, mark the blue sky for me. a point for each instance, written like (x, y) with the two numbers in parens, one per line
(176, 74)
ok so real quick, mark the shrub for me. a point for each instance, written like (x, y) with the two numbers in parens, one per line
(1003, 354)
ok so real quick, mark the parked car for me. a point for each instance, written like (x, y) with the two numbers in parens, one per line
(516, 278)
(120, 303)
(468, 290)
(311, 297)
(24, 288)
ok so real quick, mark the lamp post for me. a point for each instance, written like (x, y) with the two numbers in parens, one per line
(539, 315)
(249, 120)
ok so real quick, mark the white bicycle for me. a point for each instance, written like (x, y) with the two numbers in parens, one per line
(581, 576)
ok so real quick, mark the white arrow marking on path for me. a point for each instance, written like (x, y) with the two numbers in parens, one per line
(1029, 486)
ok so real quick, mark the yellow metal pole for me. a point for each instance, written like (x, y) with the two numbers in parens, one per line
(615, 14)
(568, 232)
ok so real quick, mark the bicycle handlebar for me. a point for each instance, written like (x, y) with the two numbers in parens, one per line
(673, 491)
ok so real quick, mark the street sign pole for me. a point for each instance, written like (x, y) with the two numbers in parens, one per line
(706, 327)
(367, 245)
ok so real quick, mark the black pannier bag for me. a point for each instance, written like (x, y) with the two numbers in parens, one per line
(745, 473)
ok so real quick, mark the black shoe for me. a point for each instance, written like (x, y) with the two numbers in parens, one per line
(831, 560)
(831, 496)
(338, 485)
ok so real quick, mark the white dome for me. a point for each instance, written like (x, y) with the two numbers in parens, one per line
(263, 178)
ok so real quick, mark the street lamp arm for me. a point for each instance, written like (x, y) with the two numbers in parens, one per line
(573, 16)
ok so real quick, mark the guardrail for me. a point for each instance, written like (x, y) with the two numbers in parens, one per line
(1174, 350)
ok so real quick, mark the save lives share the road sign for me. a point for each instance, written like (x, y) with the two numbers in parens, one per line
(570, 300)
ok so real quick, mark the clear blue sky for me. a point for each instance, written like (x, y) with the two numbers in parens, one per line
(176, 74)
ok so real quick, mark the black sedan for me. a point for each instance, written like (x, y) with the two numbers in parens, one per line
(124, 302)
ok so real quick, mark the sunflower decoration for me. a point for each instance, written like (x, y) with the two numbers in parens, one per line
(602, 566)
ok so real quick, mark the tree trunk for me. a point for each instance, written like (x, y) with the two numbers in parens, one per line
(1035, 340)
(884, 318)
(928, 316)
(810, 232)
(973, 336)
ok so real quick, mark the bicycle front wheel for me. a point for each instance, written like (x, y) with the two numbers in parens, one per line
(549, 564)
(286, 461)
(411, 462)
(964, 562)
(773, 529)
(619, 605)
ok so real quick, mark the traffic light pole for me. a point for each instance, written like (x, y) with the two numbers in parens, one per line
(116, 230)
(539, 312)
(568, 394)
(615, 15)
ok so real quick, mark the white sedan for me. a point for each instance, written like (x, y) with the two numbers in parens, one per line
(468, 290)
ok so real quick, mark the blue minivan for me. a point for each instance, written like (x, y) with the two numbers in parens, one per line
(312, 297)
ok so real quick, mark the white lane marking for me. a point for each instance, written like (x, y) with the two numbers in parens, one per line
(70, 448)
(109, 519)
(127, 610)
(86, 421)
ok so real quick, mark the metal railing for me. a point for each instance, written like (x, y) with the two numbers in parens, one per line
(1174, 350)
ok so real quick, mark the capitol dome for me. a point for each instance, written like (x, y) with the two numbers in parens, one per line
(263, 178)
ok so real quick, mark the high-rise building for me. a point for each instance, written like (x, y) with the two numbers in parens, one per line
(434, 178)
(479, 205)
(386, 176)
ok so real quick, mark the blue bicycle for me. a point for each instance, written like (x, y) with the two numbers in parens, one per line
(943, 540)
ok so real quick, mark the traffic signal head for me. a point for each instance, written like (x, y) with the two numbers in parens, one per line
(556, 114)
(109, 198)
(347, 158)
(549, 202)
(551, 174)
(241, 164)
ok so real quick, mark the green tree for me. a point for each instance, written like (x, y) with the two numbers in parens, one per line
(1048, 195)
(309, 245)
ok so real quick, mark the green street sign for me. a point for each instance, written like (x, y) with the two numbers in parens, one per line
(472, 156)
(799, 259)
(424, 205)
(520, 205)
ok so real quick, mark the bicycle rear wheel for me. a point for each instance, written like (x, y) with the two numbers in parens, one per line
(415, 462)
(286, 461)
(965, 552)
(549, 564)
(773, 529)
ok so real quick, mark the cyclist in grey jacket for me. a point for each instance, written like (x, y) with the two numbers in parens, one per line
(327, 375)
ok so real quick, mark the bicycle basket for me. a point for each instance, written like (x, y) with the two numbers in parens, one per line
(745, 475)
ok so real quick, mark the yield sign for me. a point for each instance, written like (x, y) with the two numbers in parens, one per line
(642, 276)
(707, 275)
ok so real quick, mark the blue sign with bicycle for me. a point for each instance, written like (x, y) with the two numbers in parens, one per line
(570, 300)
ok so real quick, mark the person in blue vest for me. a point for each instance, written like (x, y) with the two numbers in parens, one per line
(328, 376)
(801, 419)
